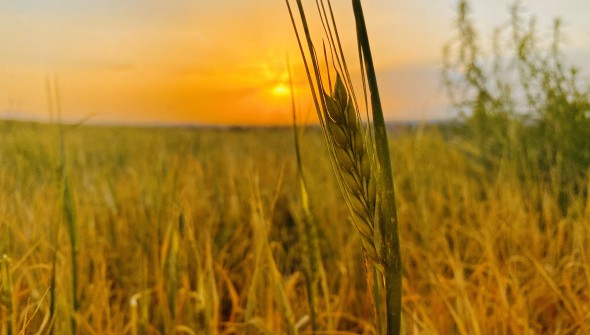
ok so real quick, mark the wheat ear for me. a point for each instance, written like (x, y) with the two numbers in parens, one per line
(358, 169)
(353, 162)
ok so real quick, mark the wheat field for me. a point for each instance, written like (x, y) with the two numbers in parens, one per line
(195, 231)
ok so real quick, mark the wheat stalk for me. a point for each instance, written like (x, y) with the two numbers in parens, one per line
(7, 313)
(360, 164)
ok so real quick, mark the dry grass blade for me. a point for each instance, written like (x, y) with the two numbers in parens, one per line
(7, 314)
(265, 268)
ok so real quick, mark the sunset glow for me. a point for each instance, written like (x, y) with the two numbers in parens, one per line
(281, 90)
(221, 62)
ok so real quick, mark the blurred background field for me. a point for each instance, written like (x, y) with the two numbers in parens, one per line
(166, 221)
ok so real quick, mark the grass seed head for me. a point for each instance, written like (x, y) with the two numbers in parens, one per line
(340, 91)
(352, 160)
(338, 135)
(334, 110)
(344, 159)
(351, 117)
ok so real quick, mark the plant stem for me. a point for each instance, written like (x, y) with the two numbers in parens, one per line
(388, 224)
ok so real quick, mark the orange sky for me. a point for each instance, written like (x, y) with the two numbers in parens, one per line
(218, 62)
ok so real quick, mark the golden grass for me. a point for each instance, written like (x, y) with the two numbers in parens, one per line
(482, 252)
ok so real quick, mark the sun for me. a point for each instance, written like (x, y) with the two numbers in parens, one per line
(281, 90)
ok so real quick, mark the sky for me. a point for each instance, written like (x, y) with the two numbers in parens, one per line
(224, 62)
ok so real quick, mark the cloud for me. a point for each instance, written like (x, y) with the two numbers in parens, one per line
(193, 60)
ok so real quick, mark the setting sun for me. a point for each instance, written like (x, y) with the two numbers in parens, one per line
(281, 90)
(200, 62)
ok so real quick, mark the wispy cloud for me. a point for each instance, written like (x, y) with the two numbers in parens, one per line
(218, 61)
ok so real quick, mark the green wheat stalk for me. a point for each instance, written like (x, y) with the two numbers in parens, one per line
(68, 215)
(360, 157)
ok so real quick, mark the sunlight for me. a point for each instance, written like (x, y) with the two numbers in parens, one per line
(281, 90)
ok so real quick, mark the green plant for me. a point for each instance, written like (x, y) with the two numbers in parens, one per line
(68, 213)
(522, 104)
(359, 156)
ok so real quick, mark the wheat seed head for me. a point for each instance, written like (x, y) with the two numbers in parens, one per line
(343, 127)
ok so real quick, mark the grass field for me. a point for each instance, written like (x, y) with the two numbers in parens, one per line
(195, 231)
